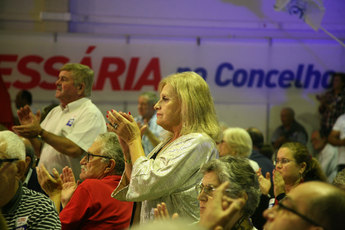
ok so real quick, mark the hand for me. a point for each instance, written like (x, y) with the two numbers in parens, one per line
(30, 124)
(69, 185)
(24, 115)
(279, 184)
(221, 210)
(127, 129)
(161, 213)
(265, 182)
(50, 185)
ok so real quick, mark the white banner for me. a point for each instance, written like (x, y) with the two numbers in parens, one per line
(241, 74)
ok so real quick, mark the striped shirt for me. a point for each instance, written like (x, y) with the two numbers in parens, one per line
(30, 210)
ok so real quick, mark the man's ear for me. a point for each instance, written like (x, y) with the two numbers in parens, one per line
(27, 161)
(21, 169)
(81, 88)
(110, 167)
(303, 167)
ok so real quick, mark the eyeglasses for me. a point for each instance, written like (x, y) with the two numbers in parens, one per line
(8, 160)
(208, 190)
(94, 155)
(305, 218)
(282, 161)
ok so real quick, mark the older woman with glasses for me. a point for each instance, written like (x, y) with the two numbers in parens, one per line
(293, 165)
(242, 184)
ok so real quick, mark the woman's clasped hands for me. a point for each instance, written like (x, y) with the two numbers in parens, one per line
(123, 125)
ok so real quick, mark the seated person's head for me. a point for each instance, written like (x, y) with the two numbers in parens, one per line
(311, 205)
(236, 142)
(242, 178)
(295, 164)
(104, 158)
(23, 98)
(12, 165)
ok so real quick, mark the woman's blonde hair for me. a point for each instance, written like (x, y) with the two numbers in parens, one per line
(197, 107)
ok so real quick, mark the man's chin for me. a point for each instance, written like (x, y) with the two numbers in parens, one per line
(57, 94)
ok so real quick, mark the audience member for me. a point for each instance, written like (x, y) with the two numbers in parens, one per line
(170, 172)
(29, 179)
(147, 121)
(237, 142)
(237, 181)
(339, 179)
(289, 131)
(332, 103)
(23, 98)
(294, 165)
(243, 183)
(311, 205)
(337, 138)
(22, 208)
(265, 163)
(69, 129)
(326, 154)
(89, 204)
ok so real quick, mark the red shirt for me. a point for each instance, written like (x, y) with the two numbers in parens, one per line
(92, 207)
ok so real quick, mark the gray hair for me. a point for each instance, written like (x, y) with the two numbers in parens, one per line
(81, 74)
(111, 148)
(239, 140)
(11, 145)
(241, 176)
(152, 97)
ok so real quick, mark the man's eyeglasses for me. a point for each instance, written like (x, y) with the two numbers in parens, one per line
(305, 218)
(8, 160)
(94, 155)
(282, 161)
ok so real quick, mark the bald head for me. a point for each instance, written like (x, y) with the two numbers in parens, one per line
(322, 202)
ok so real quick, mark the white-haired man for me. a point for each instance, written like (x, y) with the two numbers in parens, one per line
(22, 208)
(89, 204)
